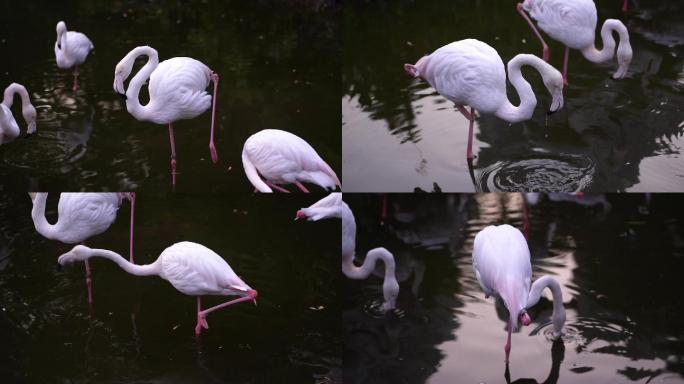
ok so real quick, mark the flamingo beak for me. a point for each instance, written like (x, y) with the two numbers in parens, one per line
(300, 215)
(253, 294)
(525, 318)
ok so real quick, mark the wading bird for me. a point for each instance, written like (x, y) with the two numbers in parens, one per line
(501, 261)
(333, 206)
(177, 92)
(573, 23)
(9, 130)
(71, 49)
(191, 268)
(81, 216)
(281, 157)
(470, 72)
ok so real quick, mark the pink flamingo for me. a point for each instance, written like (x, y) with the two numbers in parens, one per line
(191, 268)
(470, 72)
(177, 92)
(573, 23)
(501, 261)
(71, 50)
(9, 130)
(81, 216)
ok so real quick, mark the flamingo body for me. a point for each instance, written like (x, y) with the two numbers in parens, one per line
(71, 48)
(281, 157)
(572, 22)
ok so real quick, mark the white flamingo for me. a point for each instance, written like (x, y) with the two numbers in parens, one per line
(573, 23)
(281, 157)
(81, 216)
(9, 130)
(71, 49)
(333, 206)
(470, 72)
(191, 268)
(501, 261)
(177, 92)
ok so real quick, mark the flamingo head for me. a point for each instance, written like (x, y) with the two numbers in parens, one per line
(329, 206)
(121, 72)
(624, 57)
(77, 253)
(515, 298)
(61, 29)
(553, 81)
(417, 69)
(30, 115)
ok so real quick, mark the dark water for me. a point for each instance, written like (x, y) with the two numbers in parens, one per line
(279, 68)
(141, 329)
(399, 134)
(619, 269)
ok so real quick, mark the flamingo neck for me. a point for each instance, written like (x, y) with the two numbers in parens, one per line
(133, 269)
(133, 92)
(27, 109)
(608, 41)
(38, 215)
(62, 39)
(390, 286)
(509, 112)
(558, 317)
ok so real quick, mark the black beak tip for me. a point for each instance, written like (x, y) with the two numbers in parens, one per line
(59, 46)
(123, 96)
(549, 113)
(58, 267)
(28, 135)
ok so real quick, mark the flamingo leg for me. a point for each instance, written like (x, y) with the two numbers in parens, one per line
(471, 117)
(202, 314)
(212, 148)
(565, 66)
(75, 87)
(277, 187)
(132, 199)
(301, 186)
(624, 6)
(89, 282)
(545, 47)
(383, 213)
(507, 347)
(173, 156)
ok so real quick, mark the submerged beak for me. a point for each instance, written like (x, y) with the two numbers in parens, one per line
(556, 102)
(123, 96)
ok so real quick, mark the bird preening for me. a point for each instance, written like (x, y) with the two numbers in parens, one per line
(501, 262)
(71, 50)
(9, 129)
(332, 206)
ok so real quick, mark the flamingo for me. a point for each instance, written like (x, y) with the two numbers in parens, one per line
(71, 49)
(282, 157)
(332, 206)
(471, 72)
(501, 261)
(177, 92)
(191, 268)
(81, 216)
(573, 23)
(9, 130)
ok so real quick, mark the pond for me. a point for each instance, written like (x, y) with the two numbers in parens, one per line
(141, 329)
(618, 265)
(278, 66)
(398, 134)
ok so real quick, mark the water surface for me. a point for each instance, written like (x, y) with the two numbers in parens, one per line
(398, 134)
(618, 267)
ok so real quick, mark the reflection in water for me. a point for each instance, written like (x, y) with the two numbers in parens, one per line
(618, 271)
(610, 135)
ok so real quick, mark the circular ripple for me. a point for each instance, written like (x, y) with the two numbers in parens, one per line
(544, 173)
(45, 151)
(374, 309)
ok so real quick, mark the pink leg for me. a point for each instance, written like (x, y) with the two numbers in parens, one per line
(276, 187)
(173, 156)
(521, 11)
(89, 282)
(471, 117)
(565, 66)
(383, 213)
(624, 6)
(75, 87)
(132, 199)
(301, 186)
(202, 315)
(507, 347)
(212, 148)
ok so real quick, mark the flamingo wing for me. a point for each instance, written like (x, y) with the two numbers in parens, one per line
(571, 22)
(78, 46)
(82, 215)
(178, 87)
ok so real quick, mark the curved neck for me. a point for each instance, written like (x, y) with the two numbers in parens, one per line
(61, 38)
(390, 286)
(14, 88)
(348, 235)
(133, 269)
(528, 101)
(38, 215)
(538, 286)
(607, 41)
(133, 91)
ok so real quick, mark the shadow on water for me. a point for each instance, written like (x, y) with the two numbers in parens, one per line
(141, 328)
(610, 135)
(279, 68)
(617, 266)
